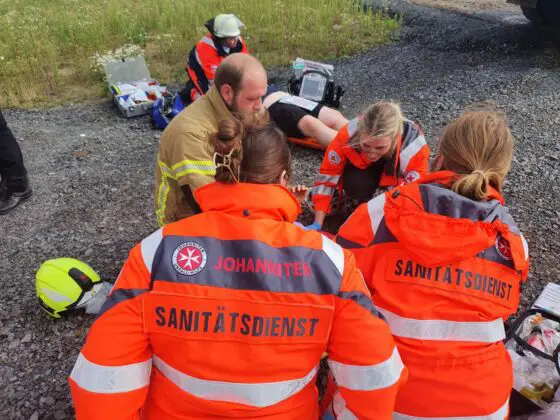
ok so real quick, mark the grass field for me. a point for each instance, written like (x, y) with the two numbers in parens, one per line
(46, 46)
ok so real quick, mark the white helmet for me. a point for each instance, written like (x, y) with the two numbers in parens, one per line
(226, 26)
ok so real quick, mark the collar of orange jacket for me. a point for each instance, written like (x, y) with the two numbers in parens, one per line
(256, 201)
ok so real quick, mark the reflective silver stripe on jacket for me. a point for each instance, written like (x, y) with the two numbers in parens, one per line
(335, 254)
(262, 394)
(328, 179)
(322, 190)
(353, 126)
(340, 410)
(149, 246)
(410, 151)
(208, 41)
(368, 378)
(443, 330)
(376, 211)
(499, 414)
(525, 246)
(110, 379)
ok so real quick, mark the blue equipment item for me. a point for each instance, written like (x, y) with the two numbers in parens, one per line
(165, 109)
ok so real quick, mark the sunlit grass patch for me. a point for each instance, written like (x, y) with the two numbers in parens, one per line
(46, 47)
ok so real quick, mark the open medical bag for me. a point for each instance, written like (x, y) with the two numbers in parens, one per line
(132, 87)
(533, 342)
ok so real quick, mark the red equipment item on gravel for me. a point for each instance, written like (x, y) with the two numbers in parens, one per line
(308, 142)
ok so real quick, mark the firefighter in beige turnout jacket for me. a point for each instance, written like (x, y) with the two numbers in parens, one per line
(184, 161)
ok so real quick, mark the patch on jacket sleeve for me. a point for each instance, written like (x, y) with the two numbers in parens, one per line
(411, 177)
(333, 157)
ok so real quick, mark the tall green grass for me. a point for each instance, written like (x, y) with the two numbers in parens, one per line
(46, 45)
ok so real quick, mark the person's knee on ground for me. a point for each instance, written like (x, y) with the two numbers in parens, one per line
(312, 127)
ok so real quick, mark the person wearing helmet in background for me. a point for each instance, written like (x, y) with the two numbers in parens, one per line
(226, 314)
(380, 148)
(223, 39)
(445, 260)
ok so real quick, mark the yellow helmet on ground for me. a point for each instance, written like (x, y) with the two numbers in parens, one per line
(65, 284)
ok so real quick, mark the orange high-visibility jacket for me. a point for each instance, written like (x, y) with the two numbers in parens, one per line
(445, 271)
(226, 314)
(408, 163)
(203, 60)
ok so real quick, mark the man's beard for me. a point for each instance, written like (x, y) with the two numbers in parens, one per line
(247, 117)
(241, 114)
(234, 106)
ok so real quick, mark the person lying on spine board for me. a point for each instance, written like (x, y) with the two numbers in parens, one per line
(380, 148)
(301, 118)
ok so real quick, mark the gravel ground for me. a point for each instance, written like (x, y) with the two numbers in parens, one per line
(470, 5)
(92, 173)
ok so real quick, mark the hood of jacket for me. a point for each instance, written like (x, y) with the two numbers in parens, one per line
(437, 226)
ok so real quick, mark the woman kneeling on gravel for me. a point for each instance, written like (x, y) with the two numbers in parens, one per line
(378, 149)
(226, 314)
(446, 261)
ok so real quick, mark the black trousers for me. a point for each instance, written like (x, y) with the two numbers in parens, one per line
(12, 170)
(361, 184)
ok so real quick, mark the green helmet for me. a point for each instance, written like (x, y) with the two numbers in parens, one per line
(65, 284)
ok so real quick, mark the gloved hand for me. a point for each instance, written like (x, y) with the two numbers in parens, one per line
(313, 226)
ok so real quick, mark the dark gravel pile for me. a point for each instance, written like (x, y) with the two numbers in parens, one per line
(93, 174)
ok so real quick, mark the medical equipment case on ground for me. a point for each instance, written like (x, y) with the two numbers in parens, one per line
(132, 87)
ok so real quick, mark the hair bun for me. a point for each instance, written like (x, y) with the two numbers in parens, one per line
(229, 130)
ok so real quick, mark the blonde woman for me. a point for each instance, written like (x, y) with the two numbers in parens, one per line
(444, 261)
(380, 148)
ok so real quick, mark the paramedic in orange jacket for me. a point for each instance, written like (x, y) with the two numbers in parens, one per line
(226, 314)
(444, 261)
(378, 149)
(223, 39)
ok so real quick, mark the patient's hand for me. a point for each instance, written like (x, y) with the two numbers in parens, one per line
(300, 191)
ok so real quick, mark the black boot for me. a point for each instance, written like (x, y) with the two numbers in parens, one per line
(13, 199)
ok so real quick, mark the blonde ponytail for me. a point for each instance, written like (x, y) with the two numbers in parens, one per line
(478, 146)
(473, 185)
